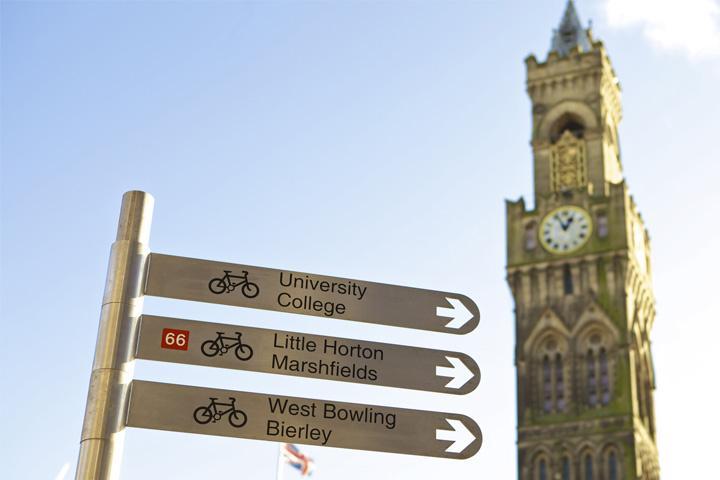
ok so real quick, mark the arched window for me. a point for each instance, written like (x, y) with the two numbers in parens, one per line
(641, 390)
(567, 280)
(548, 373)
(604, 380)
(602, 224)
(542, 470)
(530, 236)
(567, 122)
(559, 384)
(649, 408)
(588, 467)
(591, 379)
(598, 373)
(565, 468)
(547, 385)
(612, 466)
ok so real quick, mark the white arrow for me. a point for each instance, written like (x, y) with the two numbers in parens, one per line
(458, 312)
(459, 435)
(459, 372)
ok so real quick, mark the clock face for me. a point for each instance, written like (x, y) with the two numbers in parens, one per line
(565, 229)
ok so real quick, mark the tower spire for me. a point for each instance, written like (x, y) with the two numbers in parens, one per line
(570, 33)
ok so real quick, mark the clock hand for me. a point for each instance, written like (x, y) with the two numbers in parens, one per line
(562, 223)
(565, 226)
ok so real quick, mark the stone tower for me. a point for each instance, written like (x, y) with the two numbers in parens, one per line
(579, 271)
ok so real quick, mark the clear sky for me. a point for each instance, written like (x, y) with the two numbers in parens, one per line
(371, 140)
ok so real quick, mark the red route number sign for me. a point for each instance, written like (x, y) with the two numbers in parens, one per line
(175, 339)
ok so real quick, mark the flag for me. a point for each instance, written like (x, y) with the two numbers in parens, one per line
(292, 455)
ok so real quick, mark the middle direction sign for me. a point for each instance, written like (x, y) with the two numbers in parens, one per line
(276, 418)
(304, 355)
(309, 294)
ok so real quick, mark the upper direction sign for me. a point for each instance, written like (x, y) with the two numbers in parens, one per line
(304, 355)
(309, 294)
(276, 418)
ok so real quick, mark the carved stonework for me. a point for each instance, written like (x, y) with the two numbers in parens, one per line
(568, 168)
(574, 429)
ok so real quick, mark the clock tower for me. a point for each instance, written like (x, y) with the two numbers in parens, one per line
(579, 271)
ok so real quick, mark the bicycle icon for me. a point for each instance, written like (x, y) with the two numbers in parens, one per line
(204, 415)
(210, 348)
(228, 283)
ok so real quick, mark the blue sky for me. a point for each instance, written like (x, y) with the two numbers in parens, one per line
(372, 140)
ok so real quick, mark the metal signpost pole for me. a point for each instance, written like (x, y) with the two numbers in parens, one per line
(103, 428)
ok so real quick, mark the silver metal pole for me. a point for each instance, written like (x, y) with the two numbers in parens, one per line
(101, 442)
(280, 464)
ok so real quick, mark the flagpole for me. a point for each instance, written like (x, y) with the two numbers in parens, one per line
(280, 464)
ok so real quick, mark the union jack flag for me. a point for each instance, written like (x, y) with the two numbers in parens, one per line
(297, 459)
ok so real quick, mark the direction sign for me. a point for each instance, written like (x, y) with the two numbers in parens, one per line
(179, 408)
(309, 294)
(304, 355)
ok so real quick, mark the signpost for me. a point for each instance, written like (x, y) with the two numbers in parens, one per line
(180, 408)
(304, 355)
(309, 294)
(114, 402)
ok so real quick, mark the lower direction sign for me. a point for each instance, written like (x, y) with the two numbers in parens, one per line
(180, 408)
(304, 355)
